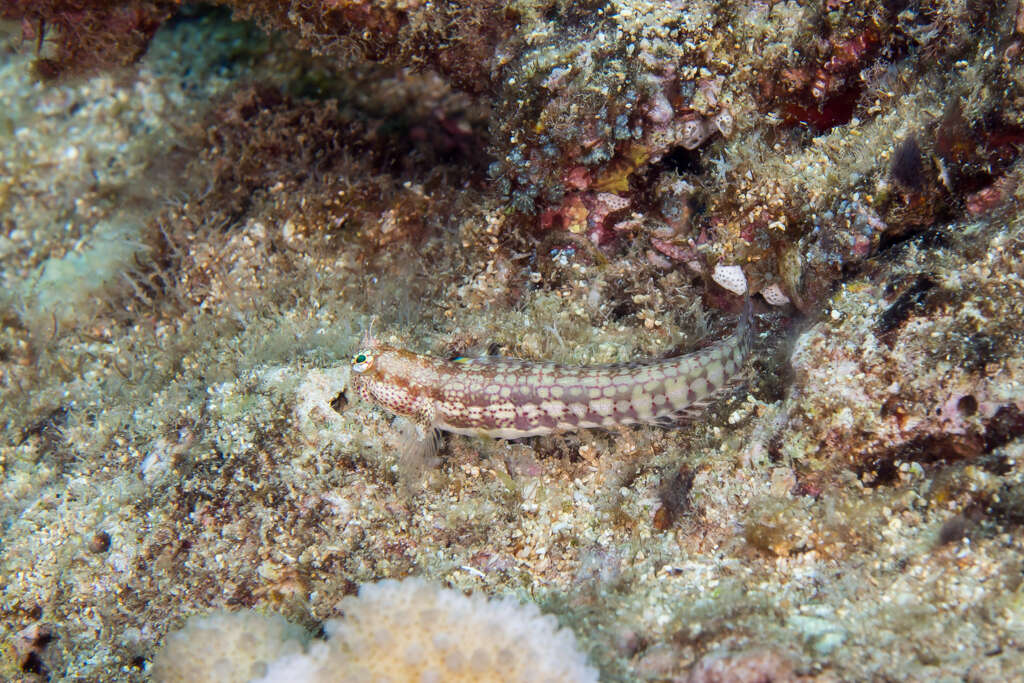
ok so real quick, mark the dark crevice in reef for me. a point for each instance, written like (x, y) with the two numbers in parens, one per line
(936, 449)
(682, 161)
(912, 301)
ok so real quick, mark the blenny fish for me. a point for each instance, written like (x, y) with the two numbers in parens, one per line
(509, 398)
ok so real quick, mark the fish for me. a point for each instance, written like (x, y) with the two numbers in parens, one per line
(509, 398)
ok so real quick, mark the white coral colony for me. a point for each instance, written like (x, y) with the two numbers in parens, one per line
(410, 630)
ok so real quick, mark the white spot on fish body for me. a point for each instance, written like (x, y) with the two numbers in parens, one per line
(603, 406)
(553, 408)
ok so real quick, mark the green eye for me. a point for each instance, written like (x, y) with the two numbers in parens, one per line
(362, 362)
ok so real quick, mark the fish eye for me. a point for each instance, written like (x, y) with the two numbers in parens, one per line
(362, 362)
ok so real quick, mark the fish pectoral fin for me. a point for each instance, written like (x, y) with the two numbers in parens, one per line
(416, 459)
(418, 443)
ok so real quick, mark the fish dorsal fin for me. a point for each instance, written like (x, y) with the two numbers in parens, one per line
(369, 341)
(493, 351)
(498, 362)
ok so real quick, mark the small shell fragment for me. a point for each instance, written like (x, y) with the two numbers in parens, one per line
(731, 278)
(723, 121)
(613, 201)
(774, 295)
(694, 132)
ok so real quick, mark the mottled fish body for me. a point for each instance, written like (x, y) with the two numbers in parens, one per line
(509, 398)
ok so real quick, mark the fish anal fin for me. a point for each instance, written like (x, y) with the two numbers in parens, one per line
(683, 417)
